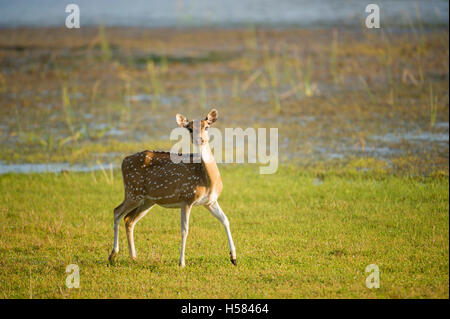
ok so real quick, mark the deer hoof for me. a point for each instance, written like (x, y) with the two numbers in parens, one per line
(233, 258)
(112, 257)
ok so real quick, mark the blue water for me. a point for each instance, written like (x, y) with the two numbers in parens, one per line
(227, 13)
(52, 168)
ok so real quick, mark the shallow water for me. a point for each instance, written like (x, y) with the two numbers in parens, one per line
(194, 13)
(423, 137)
(52, 168)
(166, 100)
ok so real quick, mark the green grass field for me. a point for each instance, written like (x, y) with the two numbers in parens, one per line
(296, 236)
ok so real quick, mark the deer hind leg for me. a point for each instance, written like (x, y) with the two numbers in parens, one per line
(220, 215)
(119, 212)
(131, 220)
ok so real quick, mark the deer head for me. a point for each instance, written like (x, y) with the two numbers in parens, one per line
(198, 128)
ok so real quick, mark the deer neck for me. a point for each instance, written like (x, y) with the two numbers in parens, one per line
(210, 168)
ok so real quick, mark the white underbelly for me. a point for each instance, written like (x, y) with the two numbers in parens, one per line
(174, 205)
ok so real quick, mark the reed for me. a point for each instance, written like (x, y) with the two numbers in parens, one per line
(68, 113)
(203, 93)
(334, 56)
(433, 107)
(108, 178)
(104, 44)
(156, 88)
(3, 87)
(235, 91)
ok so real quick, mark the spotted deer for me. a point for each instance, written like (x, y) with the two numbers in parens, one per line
(151, 177)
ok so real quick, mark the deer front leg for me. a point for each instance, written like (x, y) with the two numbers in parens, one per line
(185, 212)
(220, 215)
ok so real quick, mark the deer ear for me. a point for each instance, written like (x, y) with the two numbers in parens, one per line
(212, 116)
(181, 120)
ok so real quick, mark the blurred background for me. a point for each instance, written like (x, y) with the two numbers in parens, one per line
(232, 13)
(342, 95)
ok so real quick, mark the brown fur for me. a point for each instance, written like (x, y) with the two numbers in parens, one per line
(153, 175)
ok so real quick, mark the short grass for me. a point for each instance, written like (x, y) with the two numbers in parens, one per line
(297, 236)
